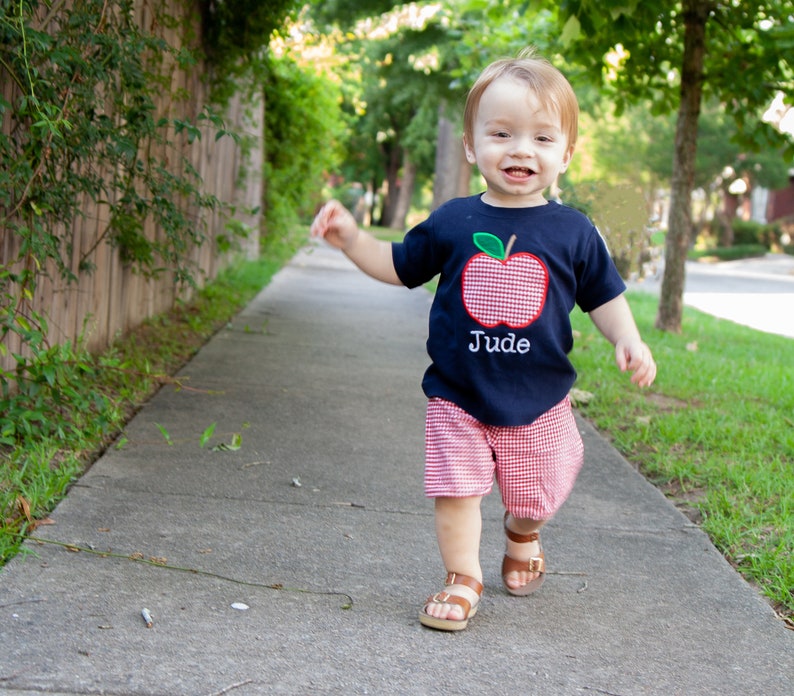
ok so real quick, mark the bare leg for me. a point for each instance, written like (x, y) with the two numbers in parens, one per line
(458, 529)
(522, 552)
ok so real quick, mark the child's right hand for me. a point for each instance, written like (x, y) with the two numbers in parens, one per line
(336, 225)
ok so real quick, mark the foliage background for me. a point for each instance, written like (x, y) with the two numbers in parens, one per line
(303, 131)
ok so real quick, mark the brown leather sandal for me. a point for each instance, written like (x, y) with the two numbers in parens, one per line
(536, 564)
(445, 597)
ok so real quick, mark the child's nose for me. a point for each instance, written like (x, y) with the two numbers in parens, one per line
(523, 146)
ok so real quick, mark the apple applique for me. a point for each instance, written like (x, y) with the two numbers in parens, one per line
(502, 289)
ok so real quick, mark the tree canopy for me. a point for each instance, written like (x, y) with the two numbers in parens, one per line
(675, 56)
(666, 60)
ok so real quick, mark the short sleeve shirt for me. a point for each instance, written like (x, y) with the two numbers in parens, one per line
(499, 327)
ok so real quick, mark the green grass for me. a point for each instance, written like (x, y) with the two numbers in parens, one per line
(39, 465)
(734, 253)
(715, 432)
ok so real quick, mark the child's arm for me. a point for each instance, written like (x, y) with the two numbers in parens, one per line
(615, 321)
(338, 227)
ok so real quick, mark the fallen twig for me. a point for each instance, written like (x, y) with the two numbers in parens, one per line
(32, 600)
(158, 563)
(231, 687)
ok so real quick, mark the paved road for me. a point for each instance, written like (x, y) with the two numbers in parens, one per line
(758, 293)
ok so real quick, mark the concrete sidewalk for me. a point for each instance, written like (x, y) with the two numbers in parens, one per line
(320, 508)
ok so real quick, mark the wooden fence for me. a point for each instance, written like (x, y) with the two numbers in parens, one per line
(112, 299)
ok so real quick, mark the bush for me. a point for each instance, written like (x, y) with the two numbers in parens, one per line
(82, 139)
(739, 251)
(751, 232)
(303, 125)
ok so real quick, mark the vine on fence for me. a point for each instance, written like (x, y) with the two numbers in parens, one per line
(79, 124)
(80, 81)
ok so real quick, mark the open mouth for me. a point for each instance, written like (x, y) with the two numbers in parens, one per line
(519, 172)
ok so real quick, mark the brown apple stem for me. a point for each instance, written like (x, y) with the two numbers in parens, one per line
(509, 247)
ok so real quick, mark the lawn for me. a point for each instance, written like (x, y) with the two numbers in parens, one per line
(715, 432)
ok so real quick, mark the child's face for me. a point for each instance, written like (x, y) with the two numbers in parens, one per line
(518, 145)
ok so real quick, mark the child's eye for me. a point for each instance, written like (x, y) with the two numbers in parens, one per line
(501, 134)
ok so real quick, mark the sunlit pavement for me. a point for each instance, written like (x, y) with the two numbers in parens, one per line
(758, 293)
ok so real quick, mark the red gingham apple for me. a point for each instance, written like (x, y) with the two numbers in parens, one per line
(502, 289)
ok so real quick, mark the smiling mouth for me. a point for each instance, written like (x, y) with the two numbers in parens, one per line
(519, 172)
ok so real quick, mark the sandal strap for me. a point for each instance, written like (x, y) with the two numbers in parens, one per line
(519, 538)
(466, 580)
(536, 564)
(445, 597)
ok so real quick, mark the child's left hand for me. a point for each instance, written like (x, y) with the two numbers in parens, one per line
(633, 355)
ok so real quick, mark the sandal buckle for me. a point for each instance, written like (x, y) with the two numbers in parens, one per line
(535, 565)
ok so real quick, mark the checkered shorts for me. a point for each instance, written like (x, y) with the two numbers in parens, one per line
(535, 465)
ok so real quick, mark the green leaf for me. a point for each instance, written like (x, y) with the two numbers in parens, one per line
(233, 446)
(490, 244)
(49, 373)
(23, 323)
(165, 434)
(570, 31)
(207, 434)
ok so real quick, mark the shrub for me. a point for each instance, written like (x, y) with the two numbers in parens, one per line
(303, 126)
(739, 251)
(752, 232)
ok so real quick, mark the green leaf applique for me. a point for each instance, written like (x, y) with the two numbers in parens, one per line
(490, 244)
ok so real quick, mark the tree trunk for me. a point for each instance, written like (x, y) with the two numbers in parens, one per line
(392, 186)
(671, 302)
(405, 194)
(451, 164)
(725, 216)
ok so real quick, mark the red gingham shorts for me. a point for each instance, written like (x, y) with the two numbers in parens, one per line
(535, 465)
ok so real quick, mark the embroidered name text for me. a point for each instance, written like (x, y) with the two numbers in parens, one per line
(498, 344)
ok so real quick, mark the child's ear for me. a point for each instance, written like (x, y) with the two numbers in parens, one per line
(566, 160)
(470, 158)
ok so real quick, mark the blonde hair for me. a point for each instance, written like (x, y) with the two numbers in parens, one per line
(548, 84)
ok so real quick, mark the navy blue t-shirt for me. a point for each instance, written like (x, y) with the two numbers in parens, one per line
(500, 331)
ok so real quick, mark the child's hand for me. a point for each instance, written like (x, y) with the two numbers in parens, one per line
(632, 354)
(336, 225)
